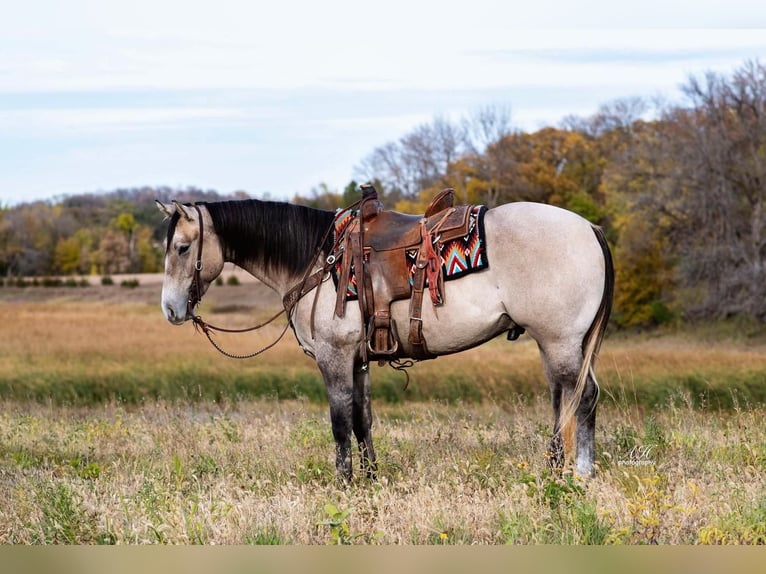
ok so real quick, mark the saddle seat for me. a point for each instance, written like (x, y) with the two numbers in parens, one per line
(375, 244)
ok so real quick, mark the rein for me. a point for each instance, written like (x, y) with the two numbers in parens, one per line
(291, 298)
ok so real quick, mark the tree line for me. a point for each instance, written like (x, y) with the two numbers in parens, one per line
(89, 234)
(678, 186)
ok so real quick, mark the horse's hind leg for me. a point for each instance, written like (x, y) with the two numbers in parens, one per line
(555, 452)
(363, 421)
(586, 429)
(562, 365)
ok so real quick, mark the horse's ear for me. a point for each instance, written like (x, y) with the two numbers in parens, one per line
(164, 209)
(183, 211)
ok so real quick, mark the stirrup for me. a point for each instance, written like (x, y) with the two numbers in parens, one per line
(393, 340)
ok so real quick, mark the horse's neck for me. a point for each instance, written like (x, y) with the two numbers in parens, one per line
(279, 282)
(276, 243)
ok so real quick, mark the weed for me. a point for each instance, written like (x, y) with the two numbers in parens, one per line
(89, 470)
(441, 534)
(745, 526)
(651, 509)
(230, 430)
(61, 516)
(194, 523)
(654, 434)
(310, 434)
(516, 528)
(205, 465)
(336, 522)
(177, 471)
(570, 517)
(625, 438)
(268, 536)
(315, 468)
(63, 519)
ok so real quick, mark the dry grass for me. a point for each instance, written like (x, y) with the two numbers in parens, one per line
(261, 473)
(76, 351)
(176, 468)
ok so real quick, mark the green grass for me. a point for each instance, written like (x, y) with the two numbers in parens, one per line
(90, 353)
(87, 384)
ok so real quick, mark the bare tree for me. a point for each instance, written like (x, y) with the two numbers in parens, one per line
(724, 157)
(702, 170)
(420, 159)
(616, 116)
(488, 125)
(487, 133)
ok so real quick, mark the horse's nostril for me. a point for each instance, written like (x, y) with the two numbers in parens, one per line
(170, 313)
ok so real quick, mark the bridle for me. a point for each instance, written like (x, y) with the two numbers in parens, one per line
(291, 298)
(195, 289)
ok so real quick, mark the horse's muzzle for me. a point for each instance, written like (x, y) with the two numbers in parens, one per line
(176, 318)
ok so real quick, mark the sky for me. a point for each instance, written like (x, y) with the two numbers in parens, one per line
(275, 98)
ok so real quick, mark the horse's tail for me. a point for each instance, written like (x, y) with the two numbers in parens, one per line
(591, 345)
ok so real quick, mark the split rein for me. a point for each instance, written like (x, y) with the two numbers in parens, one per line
(290, 300)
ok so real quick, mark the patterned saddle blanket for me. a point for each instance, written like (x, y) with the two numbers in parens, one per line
(459, 256)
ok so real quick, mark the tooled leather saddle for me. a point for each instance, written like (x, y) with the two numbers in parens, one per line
(373, 247)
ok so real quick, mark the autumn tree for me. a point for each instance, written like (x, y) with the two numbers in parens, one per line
(700, 175)
(320, 197)
(635, 166)
(418, 160)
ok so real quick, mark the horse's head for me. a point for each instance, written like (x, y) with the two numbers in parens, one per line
(193, 259)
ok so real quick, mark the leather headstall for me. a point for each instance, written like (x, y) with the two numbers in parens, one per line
(195, 289)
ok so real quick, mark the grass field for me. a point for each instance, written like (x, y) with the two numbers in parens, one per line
(117, 428)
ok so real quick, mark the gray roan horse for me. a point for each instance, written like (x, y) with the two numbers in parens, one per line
(550, 273)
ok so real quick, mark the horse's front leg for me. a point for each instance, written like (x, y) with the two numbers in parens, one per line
(338, 379)
(363, 421)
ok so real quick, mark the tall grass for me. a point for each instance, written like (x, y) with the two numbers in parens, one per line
(118, 428)
(262, 473)
(90, 353)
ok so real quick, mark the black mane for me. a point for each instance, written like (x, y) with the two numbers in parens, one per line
(278, 235)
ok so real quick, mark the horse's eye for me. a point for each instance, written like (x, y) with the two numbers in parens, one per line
(183, 249)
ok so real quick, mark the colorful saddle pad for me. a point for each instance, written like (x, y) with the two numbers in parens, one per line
(459, 256)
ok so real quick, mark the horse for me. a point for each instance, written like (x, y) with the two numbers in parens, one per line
(550, 274)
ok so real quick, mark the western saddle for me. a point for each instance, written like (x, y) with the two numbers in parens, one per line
(373, 247)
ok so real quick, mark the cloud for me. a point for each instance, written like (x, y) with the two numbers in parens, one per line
(109, 119)
(281, 95)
